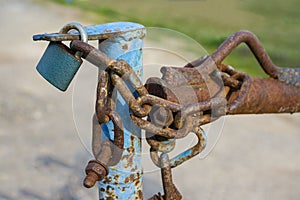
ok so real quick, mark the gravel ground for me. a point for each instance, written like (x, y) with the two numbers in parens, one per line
(42, 157)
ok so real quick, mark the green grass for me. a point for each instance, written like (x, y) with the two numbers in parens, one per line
(209, 22)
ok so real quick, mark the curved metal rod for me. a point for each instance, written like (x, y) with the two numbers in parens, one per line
(187, 154)
(137, 109)
(116, 147)
(167, 132)
(165, 145)
(155, 100)
(77, 26)
(213, 104)
(118, 142)
(96, 137)
(255, 46)
(102, 92)
(92, 54)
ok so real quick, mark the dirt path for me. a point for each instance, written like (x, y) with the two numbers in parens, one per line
(41, 154)
(42, 157)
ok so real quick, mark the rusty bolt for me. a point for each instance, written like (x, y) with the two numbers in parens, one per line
(161, 116)
(95, 171)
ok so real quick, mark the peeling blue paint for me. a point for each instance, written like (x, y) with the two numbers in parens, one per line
(124, 180)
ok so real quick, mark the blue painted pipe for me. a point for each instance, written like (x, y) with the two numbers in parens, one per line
(124, 180)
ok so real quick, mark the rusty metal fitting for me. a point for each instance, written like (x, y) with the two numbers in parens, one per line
(95, 171)
(161, 116)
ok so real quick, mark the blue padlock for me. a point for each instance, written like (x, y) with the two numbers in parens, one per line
(59, 63)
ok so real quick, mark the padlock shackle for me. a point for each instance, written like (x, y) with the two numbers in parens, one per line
(77, 26)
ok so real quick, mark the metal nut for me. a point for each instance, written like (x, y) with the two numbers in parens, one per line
(161, 116)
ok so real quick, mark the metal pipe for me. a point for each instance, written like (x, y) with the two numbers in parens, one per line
(264, 95)
(124, 180)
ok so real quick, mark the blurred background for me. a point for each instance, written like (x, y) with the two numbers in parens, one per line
(210, 22)
(42, 157)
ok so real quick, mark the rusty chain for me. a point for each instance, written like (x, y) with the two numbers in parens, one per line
(119, 72)
(141, 105)
(168, 119)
